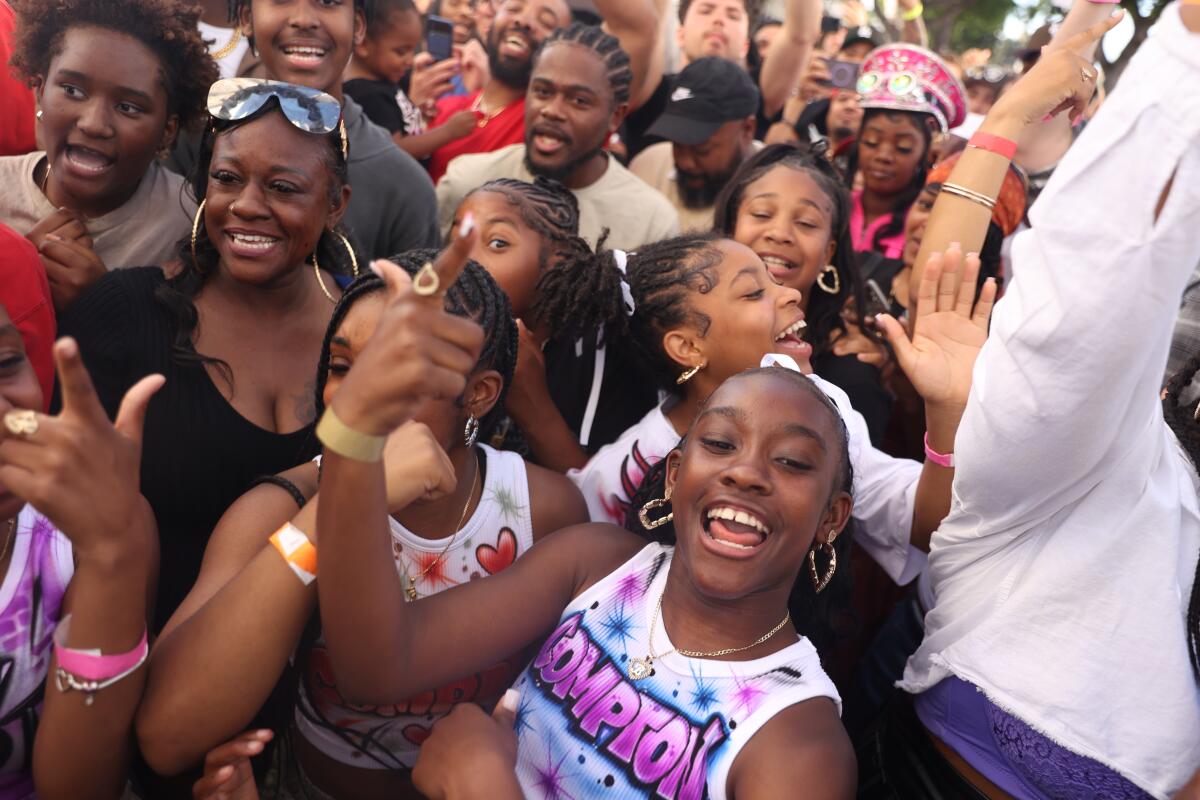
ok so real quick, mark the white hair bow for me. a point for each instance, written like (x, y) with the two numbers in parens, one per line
(621, 259)
(779, 360)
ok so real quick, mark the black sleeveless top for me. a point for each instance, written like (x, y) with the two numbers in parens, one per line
(199, 454)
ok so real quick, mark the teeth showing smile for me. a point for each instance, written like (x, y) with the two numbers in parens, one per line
(247, 241)
(792, 330)
(305, 53)
(740, 517)
(782, 263)
(517, 42)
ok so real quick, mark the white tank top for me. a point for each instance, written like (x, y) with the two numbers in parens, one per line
(388, 737)
(585, 730)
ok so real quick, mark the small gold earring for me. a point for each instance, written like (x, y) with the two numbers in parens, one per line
(819, 582)
(687, 375)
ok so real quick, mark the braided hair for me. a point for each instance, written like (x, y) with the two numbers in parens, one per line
(1184, 421)
(177, 295)
(579, 296)
(816, 616)
(905, 198)
(474, 295)
(823, 311)
(606, 47)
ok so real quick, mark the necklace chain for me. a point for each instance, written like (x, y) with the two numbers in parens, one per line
(217, 55)
(488, 116)
(411, 590)
(641, 668)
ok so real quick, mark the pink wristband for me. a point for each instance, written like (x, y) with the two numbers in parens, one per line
(994, 144)
(90, 665)
(941, 459)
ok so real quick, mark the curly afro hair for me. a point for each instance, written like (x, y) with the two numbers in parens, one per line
(168, 27)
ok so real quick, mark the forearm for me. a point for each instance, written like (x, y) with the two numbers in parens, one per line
(552, 441)
(933, 489)
(211, 674)
(957, 219)
(788, 57)
(364, 613)
(913, 31)
(84, 751)
(638, 26)
(423, 145)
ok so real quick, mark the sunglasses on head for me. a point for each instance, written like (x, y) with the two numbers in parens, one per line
(310, 110)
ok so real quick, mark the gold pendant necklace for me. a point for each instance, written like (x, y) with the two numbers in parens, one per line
(642, 668)
(488, 116)
(411, 589)
(229, 47)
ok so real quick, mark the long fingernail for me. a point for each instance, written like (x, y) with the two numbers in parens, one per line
(376, 269)
(511, 700)
(468, 224)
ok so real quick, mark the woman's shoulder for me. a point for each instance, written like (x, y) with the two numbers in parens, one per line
(554, 501)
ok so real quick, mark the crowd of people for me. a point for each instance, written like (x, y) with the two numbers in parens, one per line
(366, 364)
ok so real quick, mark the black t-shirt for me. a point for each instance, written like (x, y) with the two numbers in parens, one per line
(627, 390)
(198, 454)
(378, 101)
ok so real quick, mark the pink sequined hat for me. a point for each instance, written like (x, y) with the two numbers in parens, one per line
(904, 77)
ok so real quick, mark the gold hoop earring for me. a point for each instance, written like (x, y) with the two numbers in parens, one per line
(644, 512)
(824, 275)
(350, 250)
(820, 582)
(196, 232)
(320, 280)
(687, 375)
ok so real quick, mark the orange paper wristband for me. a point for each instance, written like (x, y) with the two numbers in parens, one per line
(297, 551)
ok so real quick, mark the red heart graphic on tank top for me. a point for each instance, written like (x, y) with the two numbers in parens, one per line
(417, 734)
(498, 558)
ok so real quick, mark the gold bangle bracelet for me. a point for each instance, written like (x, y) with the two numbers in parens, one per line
(969, 194)
(340, 438)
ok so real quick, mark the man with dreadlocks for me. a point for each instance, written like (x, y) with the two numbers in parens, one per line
(578, 95)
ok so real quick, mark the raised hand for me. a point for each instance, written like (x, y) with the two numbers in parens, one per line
(1061, 80)
(78, 469)
(947, 334)
(227, 771)
(417, 351)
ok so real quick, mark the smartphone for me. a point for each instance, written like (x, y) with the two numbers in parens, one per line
(877, 301)
(842, 74)
(439, 37)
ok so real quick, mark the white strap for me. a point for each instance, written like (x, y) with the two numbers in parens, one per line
(589, 415)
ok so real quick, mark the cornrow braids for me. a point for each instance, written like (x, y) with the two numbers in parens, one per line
(823, 311)
(606, 47)
(474, 295)
(1182, 420)
(820, 617)
(167, 27)
(582, 294)
(905, 198)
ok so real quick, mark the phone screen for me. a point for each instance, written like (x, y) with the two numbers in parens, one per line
(439, 37)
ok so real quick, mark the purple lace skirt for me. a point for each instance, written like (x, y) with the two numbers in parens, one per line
(1010, 753)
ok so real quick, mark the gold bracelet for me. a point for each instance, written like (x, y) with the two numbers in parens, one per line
(345, 441)
(969, 194)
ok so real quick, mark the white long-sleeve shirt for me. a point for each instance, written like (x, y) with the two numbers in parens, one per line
(1063, 572)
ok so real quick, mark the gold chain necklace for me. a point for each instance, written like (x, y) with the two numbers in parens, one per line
(229, 47)
(642, 668)
(488, 116)
(12, 529)
(411, 590)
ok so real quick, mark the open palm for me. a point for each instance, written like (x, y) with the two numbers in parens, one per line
(947, 333)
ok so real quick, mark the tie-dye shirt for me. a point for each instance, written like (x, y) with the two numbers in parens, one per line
(30, 607)
(586, 730)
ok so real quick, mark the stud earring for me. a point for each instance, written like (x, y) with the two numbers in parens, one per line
(39, 114)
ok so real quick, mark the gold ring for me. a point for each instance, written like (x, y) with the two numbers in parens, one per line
(21, 422)
(427, 282)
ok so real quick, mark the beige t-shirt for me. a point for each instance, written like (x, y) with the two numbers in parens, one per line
(634, 213)
(656, 166)
(142, 233)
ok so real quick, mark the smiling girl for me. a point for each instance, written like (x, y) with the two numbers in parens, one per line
(114, 83)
